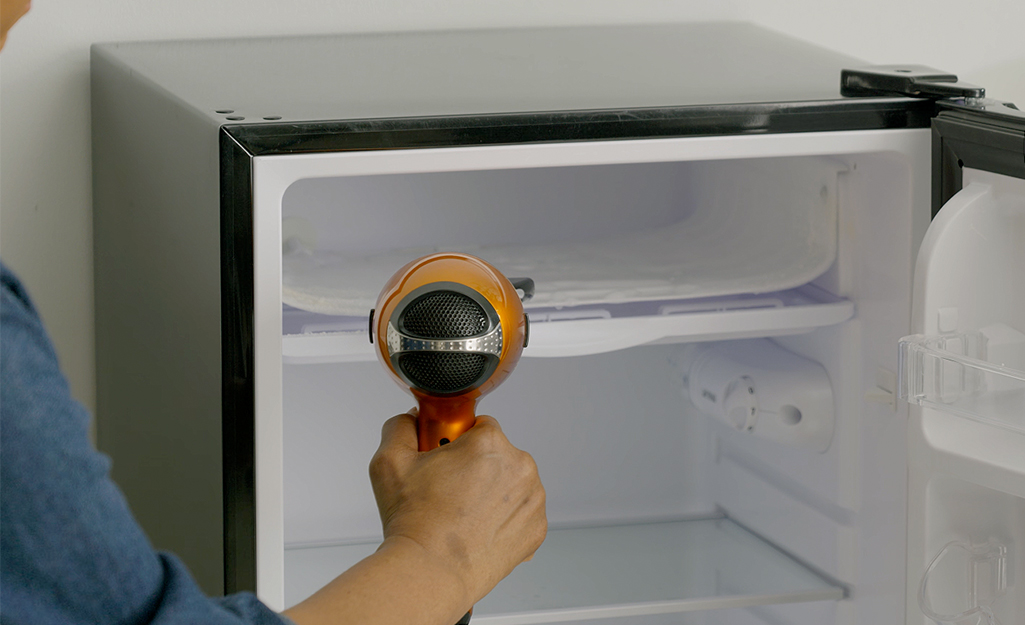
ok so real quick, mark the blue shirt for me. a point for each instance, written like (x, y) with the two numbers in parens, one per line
(70, 550)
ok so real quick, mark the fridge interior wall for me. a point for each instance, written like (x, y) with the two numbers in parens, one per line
(615, 436)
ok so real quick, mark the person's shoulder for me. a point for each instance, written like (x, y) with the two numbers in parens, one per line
(14, 292)
(20, 323)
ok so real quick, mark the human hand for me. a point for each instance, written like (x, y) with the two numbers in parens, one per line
(475, 505)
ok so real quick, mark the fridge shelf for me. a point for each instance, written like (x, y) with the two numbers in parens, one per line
(311, 338)
(614, 572)
(976, 375)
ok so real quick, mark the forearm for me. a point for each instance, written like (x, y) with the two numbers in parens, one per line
(458, 520)
(400, 584)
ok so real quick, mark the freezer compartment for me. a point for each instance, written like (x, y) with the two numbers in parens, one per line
(610, 572)
(621, 254)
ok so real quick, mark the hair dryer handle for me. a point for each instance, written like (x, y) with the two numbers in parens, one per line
(443, 419)
(439, 422)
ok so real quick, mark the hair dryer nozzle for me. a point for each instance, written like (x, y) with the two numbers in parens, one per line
(449, 327)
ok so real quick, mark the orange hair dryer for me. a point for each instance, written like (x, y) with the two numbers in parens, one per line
(449, 327)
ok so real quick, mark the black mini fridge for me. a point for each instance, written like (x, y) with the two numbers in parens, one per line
(776, 370)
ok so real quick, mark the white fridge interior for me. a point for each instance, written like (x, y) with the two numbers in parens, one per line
(709, 390)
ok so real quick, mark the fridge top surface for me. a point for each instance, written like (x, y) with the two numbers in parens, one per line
(479, 73)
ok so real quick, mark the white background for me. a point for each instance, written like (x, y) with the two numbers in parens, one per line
(45, 172)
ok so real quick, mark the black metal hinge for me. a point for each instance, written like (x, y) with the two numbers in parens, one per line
(917, 81)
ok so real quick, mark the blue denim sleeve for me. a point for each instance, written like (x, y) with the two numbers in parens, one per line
(70, 550)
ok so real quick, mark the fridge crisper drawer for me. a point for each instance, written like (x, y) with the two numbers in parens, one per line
(693, 249)
(614, 572)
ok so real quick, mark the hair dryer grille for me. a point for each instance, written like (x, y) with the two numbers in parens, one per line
(443, 372)
(444, 315)
(448, 327)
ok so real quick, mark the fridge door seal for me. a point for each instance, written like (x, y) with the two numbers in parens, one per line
(979, 134)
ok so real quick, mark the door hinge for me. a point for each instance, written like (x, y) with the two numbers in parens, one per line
(917, 81)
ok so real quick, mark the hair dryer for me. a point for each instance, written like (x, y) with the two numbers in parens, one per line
(449, 327)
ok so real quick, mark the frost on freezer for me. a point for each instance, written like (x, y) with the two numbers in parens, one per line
(586, 235)
(673, 263)
(632, 268)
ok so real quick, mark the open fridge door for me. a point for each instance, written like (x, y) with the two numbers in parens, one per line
(964, 374)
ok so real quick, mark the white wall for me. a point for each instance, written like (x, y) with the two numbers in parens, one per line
(45, 187)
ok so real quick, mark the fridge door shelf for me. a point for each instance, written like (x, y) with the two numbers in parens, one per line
(968, 578)
(614, 572)
(951, 372)
(310, 338)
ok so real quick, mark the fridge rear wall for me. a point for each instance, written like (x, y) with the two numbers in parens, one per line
(608, 433)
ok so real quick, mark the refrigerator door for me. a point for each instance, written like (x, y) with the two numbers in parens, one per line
(964, 374)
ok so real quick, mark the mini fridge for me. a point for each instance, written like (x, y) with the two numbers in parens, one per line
(776, 369)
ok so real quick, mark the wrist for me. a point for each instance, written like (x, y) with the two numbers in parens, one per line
(400, 583)
(450, 577)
